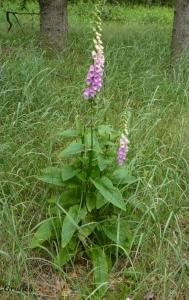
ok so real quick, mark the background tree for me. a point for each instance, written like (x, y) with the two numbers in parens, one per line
(180, 37)
(53, 23)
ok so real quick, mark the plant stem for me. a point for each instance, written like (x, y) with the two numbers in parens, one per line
(83, 194)
(92, 141)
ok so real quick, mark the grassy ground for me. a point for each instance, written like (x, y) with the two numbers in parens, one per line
(40, 96)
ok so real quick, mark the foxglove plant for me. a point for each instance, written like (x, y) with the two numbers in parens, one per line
(83, 212)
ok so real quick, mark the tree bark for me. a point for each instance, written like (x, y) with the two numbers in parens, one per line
(149, 2)
(180, 36)
(53, 23)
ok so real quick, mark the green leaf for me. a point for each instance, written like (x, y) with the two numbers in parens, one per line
(43, 233)
(100, 266)
(67, 198)
(122, 176)
(86, 230)
(109, 192)
(100, 201)
(82, 176)
(70, 224)
(65, 254)
(102, 163)
(52, 175)
(96, 145)
(69, 133)
(72, 149)
(63, 257)
(105, 130)
(90, 201)
(68, 172)
(117, 231)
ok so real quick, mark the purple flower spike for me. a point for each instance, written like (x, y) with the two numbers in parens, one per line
(94, 77)
(89, 93)
(123, 149)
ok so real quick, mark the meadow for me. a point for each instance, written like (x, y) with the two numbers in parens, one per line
(41, 96)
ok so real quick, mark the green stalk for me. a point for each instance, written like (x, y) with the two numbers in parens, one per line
(89, 169)
(83, 194)
(92, 141)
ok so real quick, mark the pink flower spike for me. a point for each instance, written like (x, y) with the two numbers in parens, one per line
(123, 149)
(94, 78)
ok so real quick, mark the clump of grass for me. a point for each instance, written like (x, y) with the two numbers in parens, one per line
(41, 96)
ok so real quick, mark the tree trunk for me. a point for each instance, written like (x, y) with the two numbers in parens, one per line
(149, 2)
(180, 37)
(53, 23)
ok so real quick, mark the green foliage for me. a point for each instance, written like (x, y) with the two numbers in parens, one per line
(52, 175)
(43, 233)
(100, 266)
(122, 175)
(90, 203)
(72, 149)
(65, 255)
(70, 224)
(118, 231)
(109, 192)
(92, 211)
(40, 96)
(68, 172)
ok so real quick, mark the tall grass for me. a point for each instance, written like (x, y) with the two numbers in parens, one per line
(41, 96)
